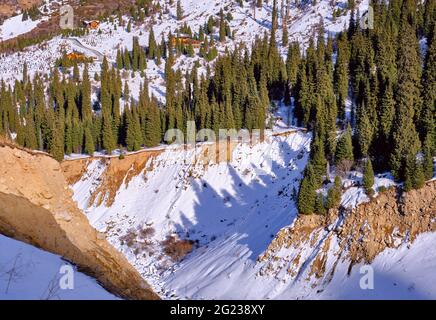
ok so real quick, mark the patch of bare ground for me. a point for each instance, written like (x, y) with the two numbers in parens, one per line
(177, 248)
(10, 7)
(74, 170)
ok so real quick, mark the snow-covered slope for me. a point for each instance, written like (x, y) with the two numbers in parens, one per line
(15, 26)
(230, 210)
(30, 273)
(304, 22)
(403, 273)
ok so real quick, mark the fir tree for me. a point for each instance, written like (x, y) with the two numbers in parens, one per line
(334, 194)
(344, 148)
(319, 204)
(368, 178)
(307, 193)
(406, 144)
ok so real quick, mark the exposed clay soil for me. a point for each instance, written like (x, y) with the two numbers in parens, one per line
(117, 172)
(37, 208)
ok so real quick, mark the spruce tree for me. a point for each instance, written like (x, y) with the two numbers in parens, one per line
(307, 193)
(108, 139)
(86, 107)
(341, 73)
(222, 31)
(427, 116)
(89, 141)
(364, 130)
(119, 60)
(344, 148)
(151, 45)
(57, 150)
(319, 204)
(30, 140)
(406, 144)
(387, 111)
(368, 178)
(318, 160)
(153, 128)
(334, 194)
(418, 175)
(428, 166)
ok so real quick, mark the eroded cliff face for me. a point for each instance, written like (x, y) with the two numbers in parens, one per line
(314, 245)
(36, 207)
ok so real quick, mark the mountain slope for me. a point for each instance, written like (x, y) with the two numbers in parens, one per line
(239, 205)
(232, 211)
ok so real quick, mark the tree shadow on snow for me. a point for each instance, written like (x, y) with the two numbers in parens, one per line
(250, 214)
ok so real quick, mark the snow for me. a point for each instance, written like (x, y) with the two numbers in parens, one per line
(233, 210)
(354, 193)
(229, 208)
(403, 273)
(304, 21)
(14, 27)
(29, 273)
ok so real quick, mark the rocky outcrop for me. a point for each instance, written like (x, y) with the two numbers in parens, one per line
(36, 207)
(359, 235)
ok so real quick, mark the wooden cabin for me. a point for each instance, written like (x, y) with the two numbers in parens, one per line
(93, 24)
(75, 56)
(186, 41)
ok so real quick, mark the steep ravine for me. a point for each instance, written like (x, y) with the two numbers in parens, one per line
(36, 207)
(307, 259)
